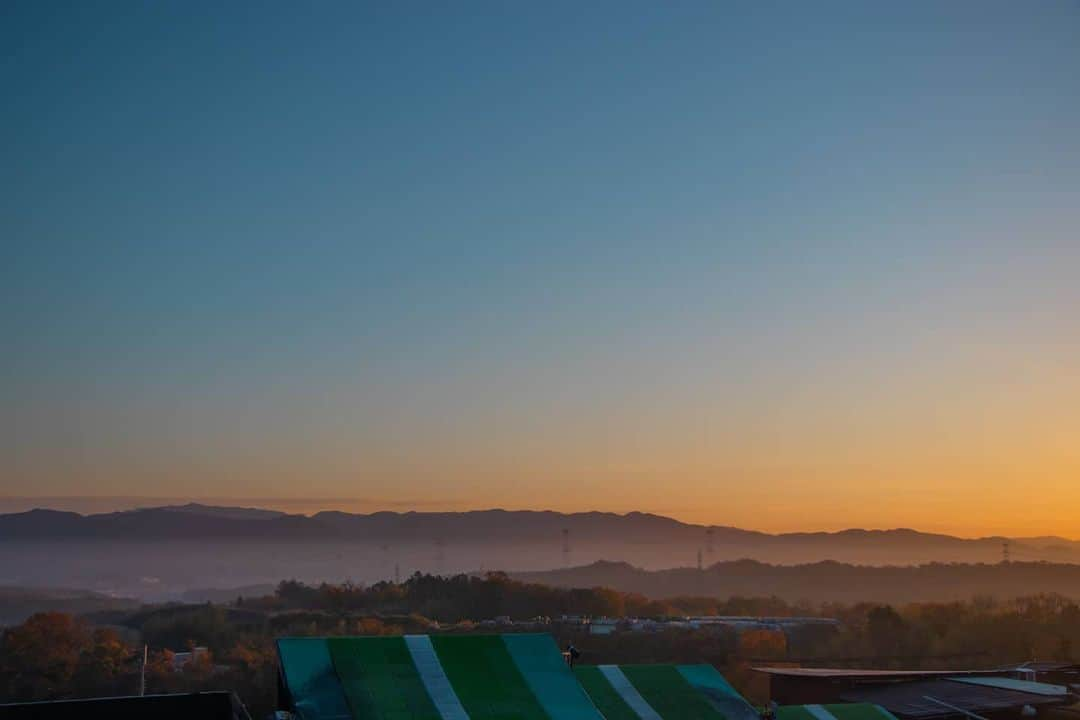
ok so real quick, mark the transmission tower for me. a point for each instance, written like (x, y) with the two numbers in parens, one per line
(566, 547)
(709, 540)
(1005, 554)
(700, 574)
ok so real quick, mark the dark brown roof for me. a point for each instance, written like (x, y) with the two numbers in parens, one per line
(932, 698)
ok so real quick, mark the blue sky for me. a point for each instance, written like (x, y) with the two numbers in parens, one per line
(540, 255)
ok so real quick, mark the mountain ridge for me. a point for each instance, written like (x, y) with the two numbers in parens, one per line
(208, 521)
(162, 552)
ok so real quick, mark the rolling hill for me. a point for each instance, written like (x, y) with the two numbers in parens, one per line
(162, 552)
(826, 581)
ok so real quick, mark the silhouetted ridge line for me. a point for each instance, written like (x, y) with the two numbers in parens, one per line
(633, 532)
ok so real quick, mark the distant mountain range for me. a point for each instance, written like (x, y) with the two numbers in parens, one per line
(633, 532)
(826, 581)
(166, 553)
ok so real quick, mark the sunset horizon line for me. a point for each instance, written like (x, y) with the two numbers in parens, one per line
(12, 504)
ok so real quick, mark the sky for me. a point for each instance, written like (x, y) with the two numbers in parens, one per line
(780, 265)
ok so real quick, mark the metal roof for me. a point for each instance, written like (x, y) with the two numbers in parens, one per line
(1045, 666)
(847, 711)
(1006, 683)
(447, 677)
(935, 698)
(880, 675)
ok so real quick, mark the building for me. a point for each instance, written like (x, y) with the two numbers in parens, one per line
(603, 626)
(515, 676)
(918, 694)
(180, 660)
(221, 705)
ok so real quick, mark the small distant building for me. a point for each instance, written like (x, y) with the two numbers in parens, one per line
(217, 705)
(748, 622)
(181, 660)
(603, 626)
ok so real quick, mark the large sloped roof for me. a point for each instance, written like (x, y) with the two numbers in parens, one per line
(663, 692)
(417, 677)
(505, 677)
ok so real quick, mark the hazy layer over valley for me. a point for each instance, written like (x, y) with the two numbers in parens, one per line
(162, 553)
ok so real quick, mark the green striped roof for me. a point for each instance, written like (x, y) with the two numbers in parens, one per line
(309, 673)
(447, 677)
(669, 693)
(652, 692)
(380, 679)
(606, 698)
(838, 711)
(506, 677)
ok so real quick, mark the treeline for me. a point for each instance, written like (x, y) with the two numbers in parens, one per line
(57, 655)
(826, 581)
(473, 598)
(54, 655)
(978, 631)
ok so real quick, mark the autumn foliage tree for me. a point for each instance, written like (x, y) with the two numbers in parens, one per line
(55, 655)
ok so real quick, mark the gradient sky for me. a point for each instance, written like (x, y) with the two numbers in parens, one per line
(777, 265)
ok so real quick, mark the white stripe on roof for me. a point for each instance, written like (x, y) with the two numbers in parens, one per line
(819, 712)
(629, 693)
(434, 678)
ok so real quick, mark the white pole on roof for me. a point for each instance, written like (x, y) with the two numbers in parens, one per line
(142, 672)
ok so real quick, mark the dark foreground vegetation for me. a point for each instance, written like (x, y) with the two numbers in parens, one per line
(58, 655)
